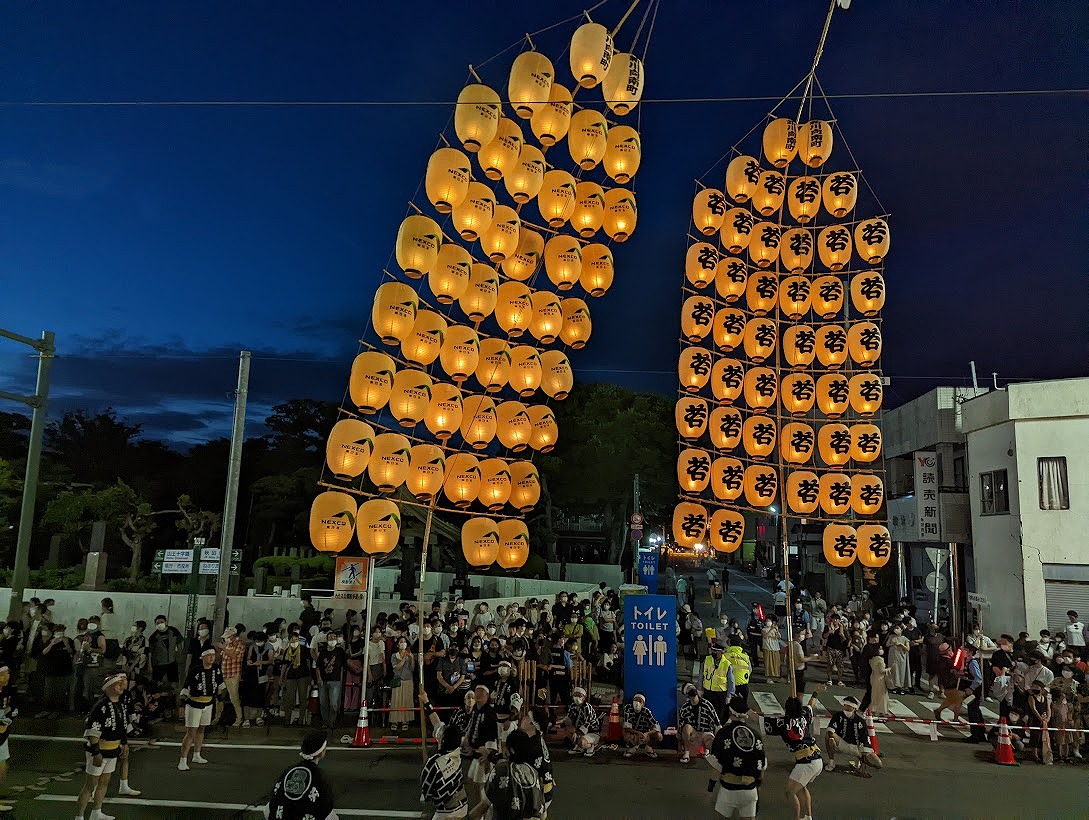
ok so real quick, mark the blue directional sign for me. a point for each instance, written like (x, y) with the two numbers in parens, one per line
(648, 570)
(650, 653)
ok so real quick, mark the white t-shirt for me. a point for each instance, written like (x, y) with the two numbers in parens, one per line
(1075, 634)
(712, 576)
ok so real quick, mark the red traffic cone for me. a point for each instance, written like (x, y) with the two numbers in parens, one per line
(872, 732)
(614, 733)
(362, 728)
(1003, 750)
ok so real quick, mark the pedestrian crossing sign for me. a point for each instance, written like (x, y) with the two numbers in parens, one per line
(350, 581)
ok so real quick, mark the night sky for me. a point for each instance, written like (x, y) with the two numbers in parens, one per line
(159, 241)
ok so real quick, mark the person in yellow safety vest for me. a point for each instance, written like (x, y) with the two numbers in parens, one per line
(740, 666)
(718, 679)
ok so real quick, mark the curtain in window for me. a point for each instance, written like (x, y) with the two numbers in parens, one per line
(1054, 493)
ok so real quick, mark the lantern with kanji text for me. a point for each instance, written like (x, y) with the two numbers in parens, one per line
(868, 292)
(760, 389)
(799, 345)
(690, 415)
(697, 316)
(724, 427)
(759, 434)
(834, 444)
(794, 298)
(726, 530)
(742, 176)
(866, 393)
(796, 250)
(833, 394)
(728, 329)
(700, 263)
(761, 292)
(867, 493)
(797, 393)
(591, 53)
(865, 443)
(780, 141)
(736, 232)
(727, 380)
(839, 192)
(827, 296)
(803, 492)
(694, 368)
(760, 339)
(840, 545)
(764, 245)
(864, 343)
(622, 87)
(834, 246)
(831, 346)
(770, 190)
(727, 478)
(835, 493)
(693, 470)
(872, 240)
(874, 545)
(761, 485)
(708, 210)
(731, 278)
(689, 524)
(814, 142)
(797, 442)
(804, 199)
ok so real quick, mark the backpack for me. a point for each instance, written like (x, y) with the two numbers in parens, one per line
(514, 790)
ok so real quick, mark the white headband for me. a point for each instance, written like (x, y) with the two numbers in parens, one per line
(306, 756)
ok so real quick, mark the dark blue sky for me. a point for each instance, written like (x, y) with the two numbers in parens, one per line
(158, 241)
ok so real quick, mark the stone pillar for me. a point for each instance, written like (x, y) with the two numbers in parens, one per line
(53, 561)
(95, 568)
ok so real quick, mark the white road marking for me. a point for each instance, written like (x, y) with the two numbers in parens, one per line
(255, 746)
(768, 703)
(932, 705)
(899, 710)
(188, 804)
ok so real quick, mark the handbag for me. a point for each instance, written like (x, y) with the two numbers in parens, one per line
(395, 683)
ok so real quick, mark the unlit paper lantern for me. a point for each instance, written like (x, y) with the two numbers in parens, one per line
(514, 427)
(479, 300)
(834, 444)
(759, 434)
(500, 156)
(727, 478)
(513, 311)
(545, 430)
(623, 153)
(840, 192)
(480, 541)
(557, 378)
(834, 247)
(426, 471)
(742, 176)
(410, 396)
(589, 213)
(689, 524)
(760, 388)
(621, 213)
(833, 395)
(780, 141)
(388, 465)
(697, 316)
(591, 53)
(563, 261)
(868, 293)
(622, 87)
(693, 470)
(478, 421)
(874, 545)
(531, 77)
(525, 486)
(394, 311)
(550, 122)
(576, 323)
(728, 330)
(872, 240)
(462, 483)
(513, 543)
(831, 346)
(708, 211)
(495, 484)
(835, 493)
(460, 352)
(587, 138)
(694, 368)
(525, 260)
(493, 368)
(761, 485)
(597, 269)
(527, 176)
(332, 521)
(864, 343)
(371, 381)
(547, 318)
(476, 116)
(814, 142)
(867, 493)
(446, 181)
(724, 427)
(525, 370)
(424, 342)
(379, 526)
(727, 380)
(866, 394)
(348, 448)
(798, 392)
(444, 411)
(840, 545)
(690, 416)
(803, 492)
(472, 218)
(700, 264)
(556, 200)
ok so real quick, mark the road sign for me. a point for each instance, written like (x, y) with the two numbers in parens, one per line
(350, 581)
(212, 554)
(199, 542)
(648, 570)
(166, 567)
(177, 567)
(936, 582)
(173, 555)
(975, 599)
(636, 519)
(650, 653)
(636, 535)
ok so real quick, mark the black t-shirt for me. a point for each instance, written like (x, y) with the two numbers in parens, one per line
(330, 664)
(57, 662)
(301, 792)
(1002, 659)
(196, 646)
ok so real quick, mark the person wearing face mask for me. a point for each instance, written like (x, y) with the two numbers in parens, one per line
(847, 732)
(329, 674)
(898, 647)
(164, 648)
(607, 627)
(698, 722)
(57, 668)
(231, 652)
(640, 727)
(561, 610)
(533, 611)
(573, 629)
(134, 650)
(200, 641)
(488, 664)
(582, 726)
(401, 700)
(295, 673)
(41, 637)
(354, 648)
(258, 662)
(723, 632)
(559, 668)
(97, 666)
(433, 651)
(505, 688)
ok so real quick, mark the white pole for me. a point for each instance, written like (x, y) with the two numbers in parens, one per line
(230, 501)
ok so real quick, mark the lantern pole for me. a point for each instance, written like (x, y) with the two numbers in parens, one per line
(816, 59)
(367, 620)
(420, 613)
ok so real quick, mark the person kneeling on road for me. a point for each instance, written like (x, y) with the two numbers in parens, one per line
(738, 755)
(203, 685)
(640, 727)
(302, 792)
(698, 723)
(847, 730)
(582, 725)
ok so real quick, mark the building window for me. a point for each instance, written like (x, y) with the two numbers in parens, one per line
(1054, 489)
(993, 495)
(960, 480)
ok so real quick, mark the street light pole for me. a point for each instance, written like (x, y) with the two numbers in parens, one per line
(230, 500)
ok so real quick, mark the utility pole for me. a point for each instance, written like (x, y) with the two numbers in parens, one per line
(230, 501)
(46, 350)
(635, 544)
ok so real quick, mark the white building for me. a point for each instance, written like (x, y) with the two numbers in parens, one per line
(1028, 486)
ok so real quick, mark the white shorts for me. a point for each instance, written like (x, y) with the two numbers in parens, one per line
(593, 738)
(197, 716)
(743, 801)
(109, 764)
(806, 773)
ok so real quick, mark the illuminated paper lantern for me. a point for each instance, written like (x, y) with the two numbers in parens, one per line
(589, 213)
(697, 316)
(865, 443)
(700, 264)
(759, 339)
(446, 181)
(501, 238)
(530, 80)
(770, 190)
(479, 300)
(759, 434)
(867, 493)
(834, 247)
(590, 54)
(576, 323)
(513, 543)
(587, 138)
(526, 178)
(525, 370)
(550, 122)
(736, 233)
(623, 153)
(557, 378)
(874, 545)
(493, 367)
(798, 392)
(514, 427)
(348, 448)
(802, 492)
(866, 393)
(760, 293)
(547, 318)
(449, 278)
(462, 483)
(727, 478)
(840, 192)
(693, 470)
(794, 298)
(815, 142)
(827, 296)
(388, 465)
(728, 330)
(694, 368)
(833, 395)
(472, 218)
(761, 485)
(476, 116)
(731, 278)
(868, 293)
(332, 521)
(872, 240)
(410, 397)
(689, 524)
(379, 526)
(444, 411)
(460, 352)
(780, 141)
(760, 388)
(690, 415)
(724, 427)
(556, 200)
(622, 87)
(480, 541)
(726, 530)
(708, 210)
(500, 156)
(563, 261)
(495, 484)
(834, 444)
(742, 177)
(426, 471)
(478, 421)
(545, 430)
(371, 381)
(804, 199)
(797, 442)
(621, 214)
(513, 310)
(799, 345)
(423, 343)
(831, 346)
(525, 486)
(840, 545)
(796, 250)
(835, 493)
(525, 260)
(727, 380)
(864, 343)
(394, 311)
(764, 244)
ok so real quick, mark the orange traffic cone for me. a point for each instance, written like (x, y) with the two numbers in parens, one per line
(614, 733)
(1003, 750)
(362, 728)
(872, 732)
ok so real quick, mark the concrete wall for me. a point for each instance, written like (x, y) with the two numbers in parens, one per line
(933, 418)
(612, 575)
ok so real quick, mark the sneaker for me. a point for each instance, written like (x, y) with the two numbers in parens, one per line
(574, 750)
(830, 765)
(183, 766)
(629, 752)
(245, 724)
(198, 758)
(590, 752)
(260, 721)
(98, 814)
(651, 753)
(129, 791)
(685, 758)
